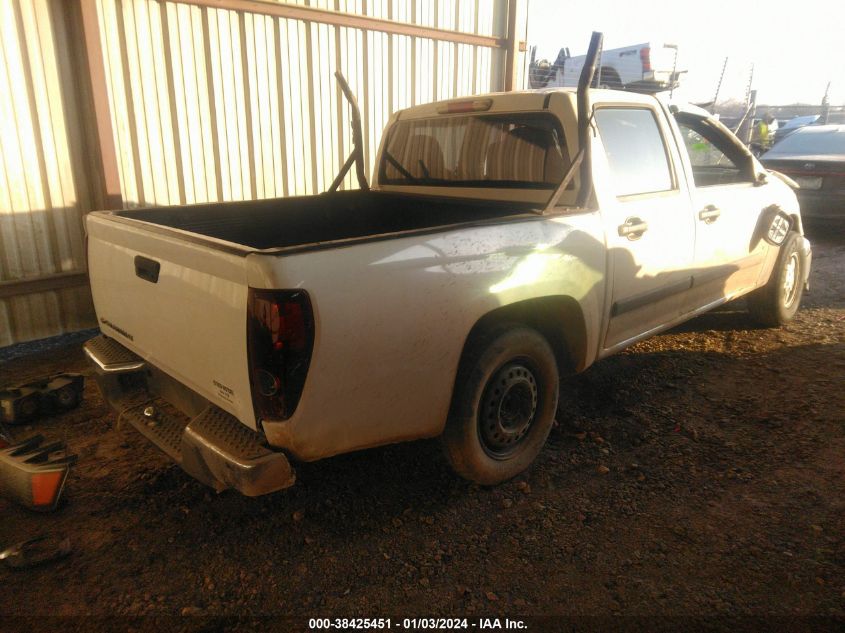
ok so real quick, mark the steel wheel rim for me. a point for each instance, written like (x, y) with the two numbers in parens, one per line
(508, 409)
(790, 280)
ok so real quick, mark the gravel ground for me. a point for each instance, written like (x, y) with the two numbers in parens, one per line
(697, 473)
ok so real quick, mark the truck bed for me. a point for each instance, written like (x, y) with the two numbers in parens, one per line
(285, 222)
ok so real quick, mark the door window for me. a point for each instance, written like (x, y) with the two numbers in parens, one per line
(715, 157)
(635, 150)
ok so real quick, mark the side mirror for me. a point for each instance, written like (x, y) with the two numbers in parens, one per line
(761, 179)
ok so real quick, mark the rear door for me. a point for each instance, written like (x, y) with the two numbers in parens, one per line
(179, 303)
(648, 221)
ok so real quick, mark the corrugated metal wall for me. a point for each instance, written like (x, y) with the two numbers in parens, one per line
(42, 190)
(211, 104)
(206, 104)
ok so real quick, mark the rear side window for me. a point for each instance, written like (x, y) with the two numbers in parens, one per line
(635, 150)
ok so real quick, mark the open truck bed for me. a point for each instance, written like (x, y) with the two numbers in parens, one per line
(329, 217)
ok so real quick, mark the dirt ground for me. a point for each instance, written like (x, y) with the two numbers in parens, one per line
(701, 472)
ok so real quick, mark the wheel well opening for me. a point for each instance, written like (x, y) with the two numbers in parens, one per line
(559, 319)
(609, 77)
(797, 224)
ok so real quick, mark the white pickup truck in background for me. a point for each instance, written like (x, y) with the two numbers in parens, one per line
(507, 240)
(646, 67)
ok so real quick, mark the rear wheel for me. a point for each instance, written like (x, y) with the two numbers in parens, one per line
(504, 405)
(777, 302)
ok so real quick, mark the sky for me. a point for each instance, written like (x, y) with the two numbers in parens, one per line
(796, 47)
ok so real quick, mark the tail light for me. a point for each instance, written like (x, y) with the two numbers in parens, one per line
(466, 105)
(280, 336)
(645, 58)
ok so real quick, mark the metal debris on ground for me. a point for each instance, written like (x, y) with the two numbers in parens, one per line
(32, 474)
(56, 393)
(5, 437)
(36, 551)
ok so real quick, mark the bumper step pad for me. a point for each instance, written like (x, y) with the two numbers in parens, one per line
(229, 435)
(109, 356)
(160, 425)
(214, 447)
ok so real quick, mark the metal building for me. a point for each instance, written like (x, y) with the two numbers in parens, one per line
(121, 103)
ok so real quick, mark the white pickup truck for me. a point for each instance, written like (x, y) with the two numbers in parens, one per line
(506, 241)
(646, 67)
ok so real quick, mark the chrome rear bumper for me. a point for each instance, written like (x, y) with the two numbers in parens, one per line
(210, 444)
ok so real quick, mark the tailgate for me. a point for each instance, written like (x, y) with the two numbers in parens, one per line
(180, 304)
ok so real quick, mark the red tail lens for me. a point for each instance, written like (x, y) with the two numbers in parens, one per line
(645, 58)
(280, 335)
(46, 487)
(467, 105)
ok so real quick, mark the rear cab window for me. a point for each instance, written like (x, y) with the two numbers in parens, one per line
(501, 151)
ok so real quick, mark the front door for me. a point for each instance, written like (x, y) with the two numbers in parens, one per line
(727, 206)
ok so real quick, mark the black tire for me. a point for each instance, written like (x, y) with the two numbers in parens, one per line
(777, 302)
(504, 405)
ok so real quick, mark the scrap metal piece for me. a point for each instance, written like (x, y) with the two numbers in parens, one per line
(6, 438)
(357, 155)
(36, 551)
(31, 475)
(59, 393)
(19, 405)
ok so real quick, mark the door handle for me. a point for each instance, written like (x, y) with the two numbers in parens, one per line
(633, 228)
(709, 214)
(147, 269)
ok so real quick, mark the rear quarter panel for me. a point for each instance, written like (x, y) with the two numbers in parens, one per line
(392, 317)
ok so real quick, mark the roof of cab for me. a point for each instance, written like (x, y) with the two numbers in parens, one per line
(526, 100)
